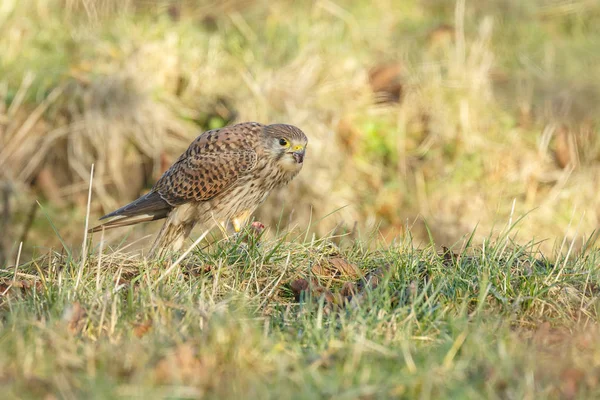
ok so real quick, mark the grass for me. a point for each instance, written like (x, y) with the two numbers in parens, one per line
(496, 321)
(493, 107)
(479, 112)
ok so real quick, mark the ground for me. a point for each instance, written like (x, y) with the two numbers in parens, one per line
(439, 242)
(284, 319)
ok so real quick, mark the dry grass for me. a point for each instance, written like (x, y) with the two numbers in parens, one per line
(491, 321)
(489, 108)
(439, 121)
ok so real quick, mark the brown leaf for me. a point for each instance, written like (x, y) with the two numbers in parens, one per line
(75, 315)
(10, 287)
(316, 291)
(386, 82)
(38, 387)
(174, 11)
(21, 284)
(194, 267)
(348, 289)
(440, 35)
(349, 135)
(335, 267)
(571, 377)
(298, 286)
(449, 257)
(49, 187)
(565, 149)
(182, 365)
(320, 291)
(372, 279)
(140, 329)
(4, 288)
(344, 267)
(121, 279)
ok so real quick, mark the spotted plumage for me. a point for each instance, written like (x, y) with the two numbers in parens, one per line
(223, 176)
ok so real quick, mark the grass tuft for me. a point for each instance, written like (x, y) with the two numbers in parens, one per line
(228, 322)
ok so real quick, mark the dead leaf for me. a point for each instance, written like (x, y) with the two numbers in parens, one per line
(50, 188)
(181, 365)
(121, 279)
(320, 291)
(4, 289)
(448, 256)
(298, 286)
(174, 11)
(348, 134)
(74, 315)
(351, 293)
(335, 267)
(372, 279)
(19, 287)
(348, 289)
(570, 379)
(303, 288)
(386, 82)
(140, 329)
(440, 36)
(38, 387)
(565, 148)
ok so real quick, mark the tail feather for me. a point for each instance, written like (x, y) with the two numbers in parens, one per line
(149, 207)
(125, 221)
(151, 203)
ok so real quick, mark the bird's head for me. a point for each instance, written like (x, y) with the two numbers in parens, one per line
(287, 145)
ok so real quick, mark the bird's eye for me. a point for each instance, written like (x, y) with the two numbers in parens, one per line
(283, 142)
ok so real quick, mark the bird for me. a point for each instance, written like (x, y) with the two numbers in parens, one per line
(222, 177)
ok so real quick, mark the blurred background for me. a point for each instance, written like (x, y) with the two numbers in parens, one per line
(450, 114)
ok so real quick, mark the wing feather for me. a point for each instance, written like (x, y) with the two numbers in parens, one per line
(212, 164)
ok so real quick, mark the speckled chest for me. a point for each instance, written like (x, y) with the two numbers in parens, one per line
(251, 189)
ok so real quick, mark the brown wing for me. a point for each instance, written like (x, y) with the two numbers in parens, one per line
(212, 163)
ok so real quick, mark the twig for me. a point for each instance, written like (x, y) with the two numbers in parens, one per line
(18, 260)
(29, 222)
(5, 222)
(16, 270)
(99, 261)
(85, 232)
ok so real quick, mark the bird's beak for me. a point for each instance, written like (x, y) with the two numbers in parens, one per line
(299, 155)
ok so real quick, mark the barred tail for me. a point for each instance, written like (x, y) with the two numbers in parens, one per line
(170, 238)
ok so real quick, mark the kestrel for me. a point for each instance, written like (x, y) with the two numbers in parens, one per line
(223, 176)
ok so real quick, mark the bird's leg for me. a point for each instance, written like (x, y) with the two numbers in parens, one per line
(234, 229)
(238, 221)
(228, 230)
(171, 238)
(237, 224)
